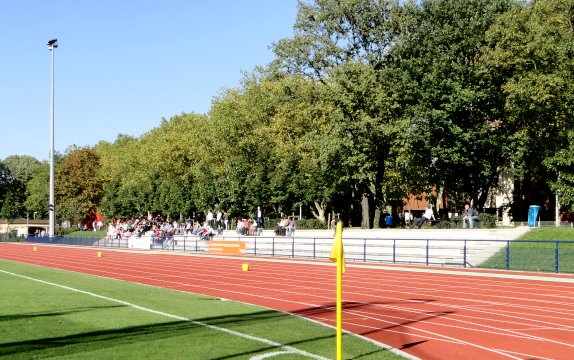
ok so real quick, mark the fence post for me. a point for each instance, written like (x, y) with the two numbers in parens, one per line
(293, 247)
(314, 248)
(507, 260)
(255, 246)
(364, 250)
(556, 258)
(394, 251)
(464, 254)
(427, 255)
(273, 247)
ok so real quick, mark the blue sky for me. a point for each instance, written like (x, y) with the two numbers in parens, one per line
(121, 66)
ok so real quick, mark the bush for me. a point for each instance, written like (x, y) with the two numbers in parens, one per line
(310, 224)
(487, 221)
(445, 224)
(453, 223)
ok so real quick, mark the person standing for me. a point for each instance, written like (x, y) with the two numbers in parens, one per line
(209, 218)
(259, 219)
(225, 220)
(219, 218)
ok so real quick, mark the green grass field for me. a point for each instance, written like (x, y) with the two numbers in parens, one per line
(538, 256)
(49, 313)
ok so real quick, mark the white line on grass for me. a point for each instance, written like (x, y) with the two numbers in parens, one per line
(288, 349)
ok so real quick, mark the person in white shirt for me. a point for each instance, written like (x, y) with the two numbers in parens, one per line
(427, 216)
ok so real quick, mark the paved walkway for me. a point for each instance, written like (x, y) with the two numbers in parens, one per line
(429, 233)
(454, 247)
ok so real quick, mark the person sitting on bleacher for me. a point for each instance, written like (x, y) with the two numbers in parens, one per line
(281, 228)
(470, 217)
(206, 232)
(291, 227)
(427, 216)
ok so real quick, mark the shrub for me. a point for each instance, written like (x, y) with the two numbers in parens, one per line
(310, 224)
(487, 221)
(445, 224)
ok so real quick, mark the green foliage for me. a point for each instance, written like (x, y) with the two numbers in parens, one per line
(38, 190)
(449, 105)
(562, 164)
(5, 182)
(15, 172)
(11, 207)
(311, 224)
(78, 188)
(367, 102)
(530, 52)
(487, 221)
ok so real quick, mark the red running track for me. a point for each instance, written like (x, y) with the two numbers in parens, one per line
(428, 313)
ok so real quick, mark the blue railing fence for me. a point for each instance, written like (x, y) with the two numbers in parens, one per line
(537, 255)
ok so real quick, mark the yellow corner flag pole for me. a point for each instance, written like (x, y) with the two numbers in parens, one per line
(338, 255)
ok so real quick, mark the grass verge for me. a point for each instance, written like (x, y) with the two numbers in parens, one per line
(42, 320)
(540, 249)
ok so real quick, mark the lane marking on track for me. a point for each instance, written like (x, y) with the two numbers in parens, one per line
(367, 315)
(288, 349)
(357, 312)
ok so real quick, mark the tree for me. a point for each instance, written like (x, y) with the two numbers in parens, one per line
(453, 135)
(531, 50)
(345, 46)
(37, 190)
(78, 189)
(11, 207)
(562, 163)
(20, 169)
(5, 182)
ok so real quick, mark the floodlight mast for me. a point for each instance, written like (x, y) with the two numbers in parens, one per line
(52, 44)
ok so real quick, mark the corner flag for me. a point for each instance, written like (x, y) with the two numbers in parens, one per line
(338, 255)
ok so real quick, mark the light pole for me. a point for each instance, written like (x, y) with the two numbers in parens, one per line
(52, 44)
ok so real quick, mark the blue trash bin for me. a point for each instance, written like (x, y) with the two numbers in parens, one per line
(389, 221)
(533, 215)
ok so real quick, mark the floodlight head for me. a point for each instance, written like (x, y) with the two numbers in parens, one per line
(53, 43)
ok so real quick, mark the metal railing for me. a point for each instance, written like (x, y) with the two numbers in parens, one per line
(528, 255)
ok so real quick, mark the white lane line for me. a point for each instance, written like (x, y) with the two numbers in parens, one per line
(288, 349)
(361, 313)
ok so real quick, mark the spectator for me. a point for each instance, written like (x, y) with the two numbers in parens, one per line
(259, 218)
(470, 217)
(209, 218)
(219, 218)
(245, 227)
(196, 228)
(427, 216)
(225, 220)
(111, 232)
(291, 227)
(206, 232)
(281, 227)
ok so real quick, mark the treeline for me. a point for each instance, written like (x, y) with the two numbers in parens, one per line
(367, 102)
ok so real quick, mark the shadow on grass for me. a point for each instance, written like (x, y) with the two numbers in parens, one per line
(51, 314)
(85, 342)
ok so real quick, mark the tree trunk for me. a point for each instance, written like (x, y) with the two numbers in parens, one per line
(377, 218)
(320, 213)
(366, 209)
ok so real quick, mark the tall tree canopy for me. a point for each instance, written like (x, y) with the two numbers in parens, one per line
(531, 52)
(78, 189)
